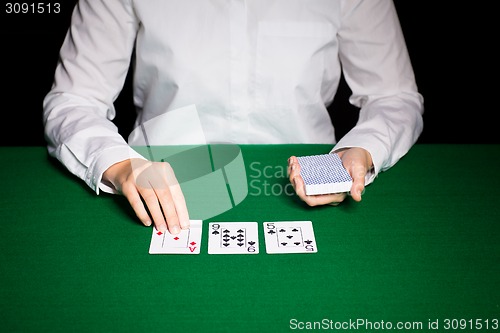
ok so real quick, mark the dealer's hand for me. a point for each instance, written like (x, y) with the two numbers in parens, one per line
(151, 186)
(357, 162)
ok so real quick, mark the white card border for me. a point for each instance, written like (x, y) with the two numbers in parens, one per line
(270, 249)
(195, 230)
(213, 249)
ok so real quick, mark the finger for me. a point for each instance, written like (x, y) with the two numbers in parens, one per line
(292, 161)
(154, 183)
(134, 199)
(151, 199)
(293, 169)
(325, 199)
(164, 196)
(358, 174)
(180, 206)
(176, 200)
(299, 186)
(316, 200)
(356, 191)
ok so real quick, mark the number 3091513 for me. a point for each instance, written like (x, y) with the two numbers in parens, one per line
(32, 8)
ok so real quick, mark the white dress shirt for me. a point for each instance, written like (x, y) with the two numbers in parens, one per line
(258, 72)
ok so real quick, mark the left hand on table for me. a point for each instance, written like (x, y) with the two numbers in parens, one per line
(357, 161)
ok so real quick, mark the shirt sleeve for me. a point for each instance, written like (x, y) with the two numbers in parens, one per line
(90, 73)
(378, 70)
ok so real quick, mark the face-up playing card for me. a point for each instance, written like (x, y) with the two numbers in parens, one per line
(233, 238)
(186, 242)
(290, 237)
(323, 174)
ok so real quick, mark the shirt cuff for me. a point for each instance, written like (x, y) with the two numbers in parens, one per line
(107, 158)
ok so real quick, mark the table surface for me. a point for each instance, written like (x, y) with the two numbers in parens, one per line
(422, 246)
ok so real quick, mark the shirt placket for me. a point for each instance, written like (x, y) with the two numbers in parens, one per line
(239, 70)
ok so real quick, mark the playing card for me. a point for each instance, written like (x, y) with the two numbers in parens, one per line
(323, 174)
(186, 242)
(233, 238)
(289, 237)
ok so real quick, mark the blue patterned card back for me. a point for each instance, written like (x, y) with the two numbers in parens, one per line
(323, 174)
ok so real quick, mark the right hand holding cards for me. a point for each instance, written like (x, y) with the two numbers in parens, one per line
(323, 179)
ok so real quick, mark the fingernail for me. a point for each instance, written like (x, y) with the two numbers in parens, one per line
(147, 223)
(175, 230)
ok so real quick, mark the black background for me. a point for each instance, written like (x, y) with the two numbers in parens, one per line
(452, 48)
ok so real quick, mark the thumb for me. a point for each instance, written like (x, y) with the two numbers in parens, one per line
(358, 174)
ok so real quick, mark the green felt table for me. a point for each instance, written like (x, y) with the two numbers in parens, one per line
(422, 247)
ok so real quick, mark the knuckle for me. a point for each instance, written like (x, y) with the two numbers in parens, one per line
(149, 196)
(167, 167)
(136, 203)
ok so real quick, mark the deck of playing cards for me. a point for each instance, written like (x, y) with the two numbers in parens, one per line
(324, 174)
